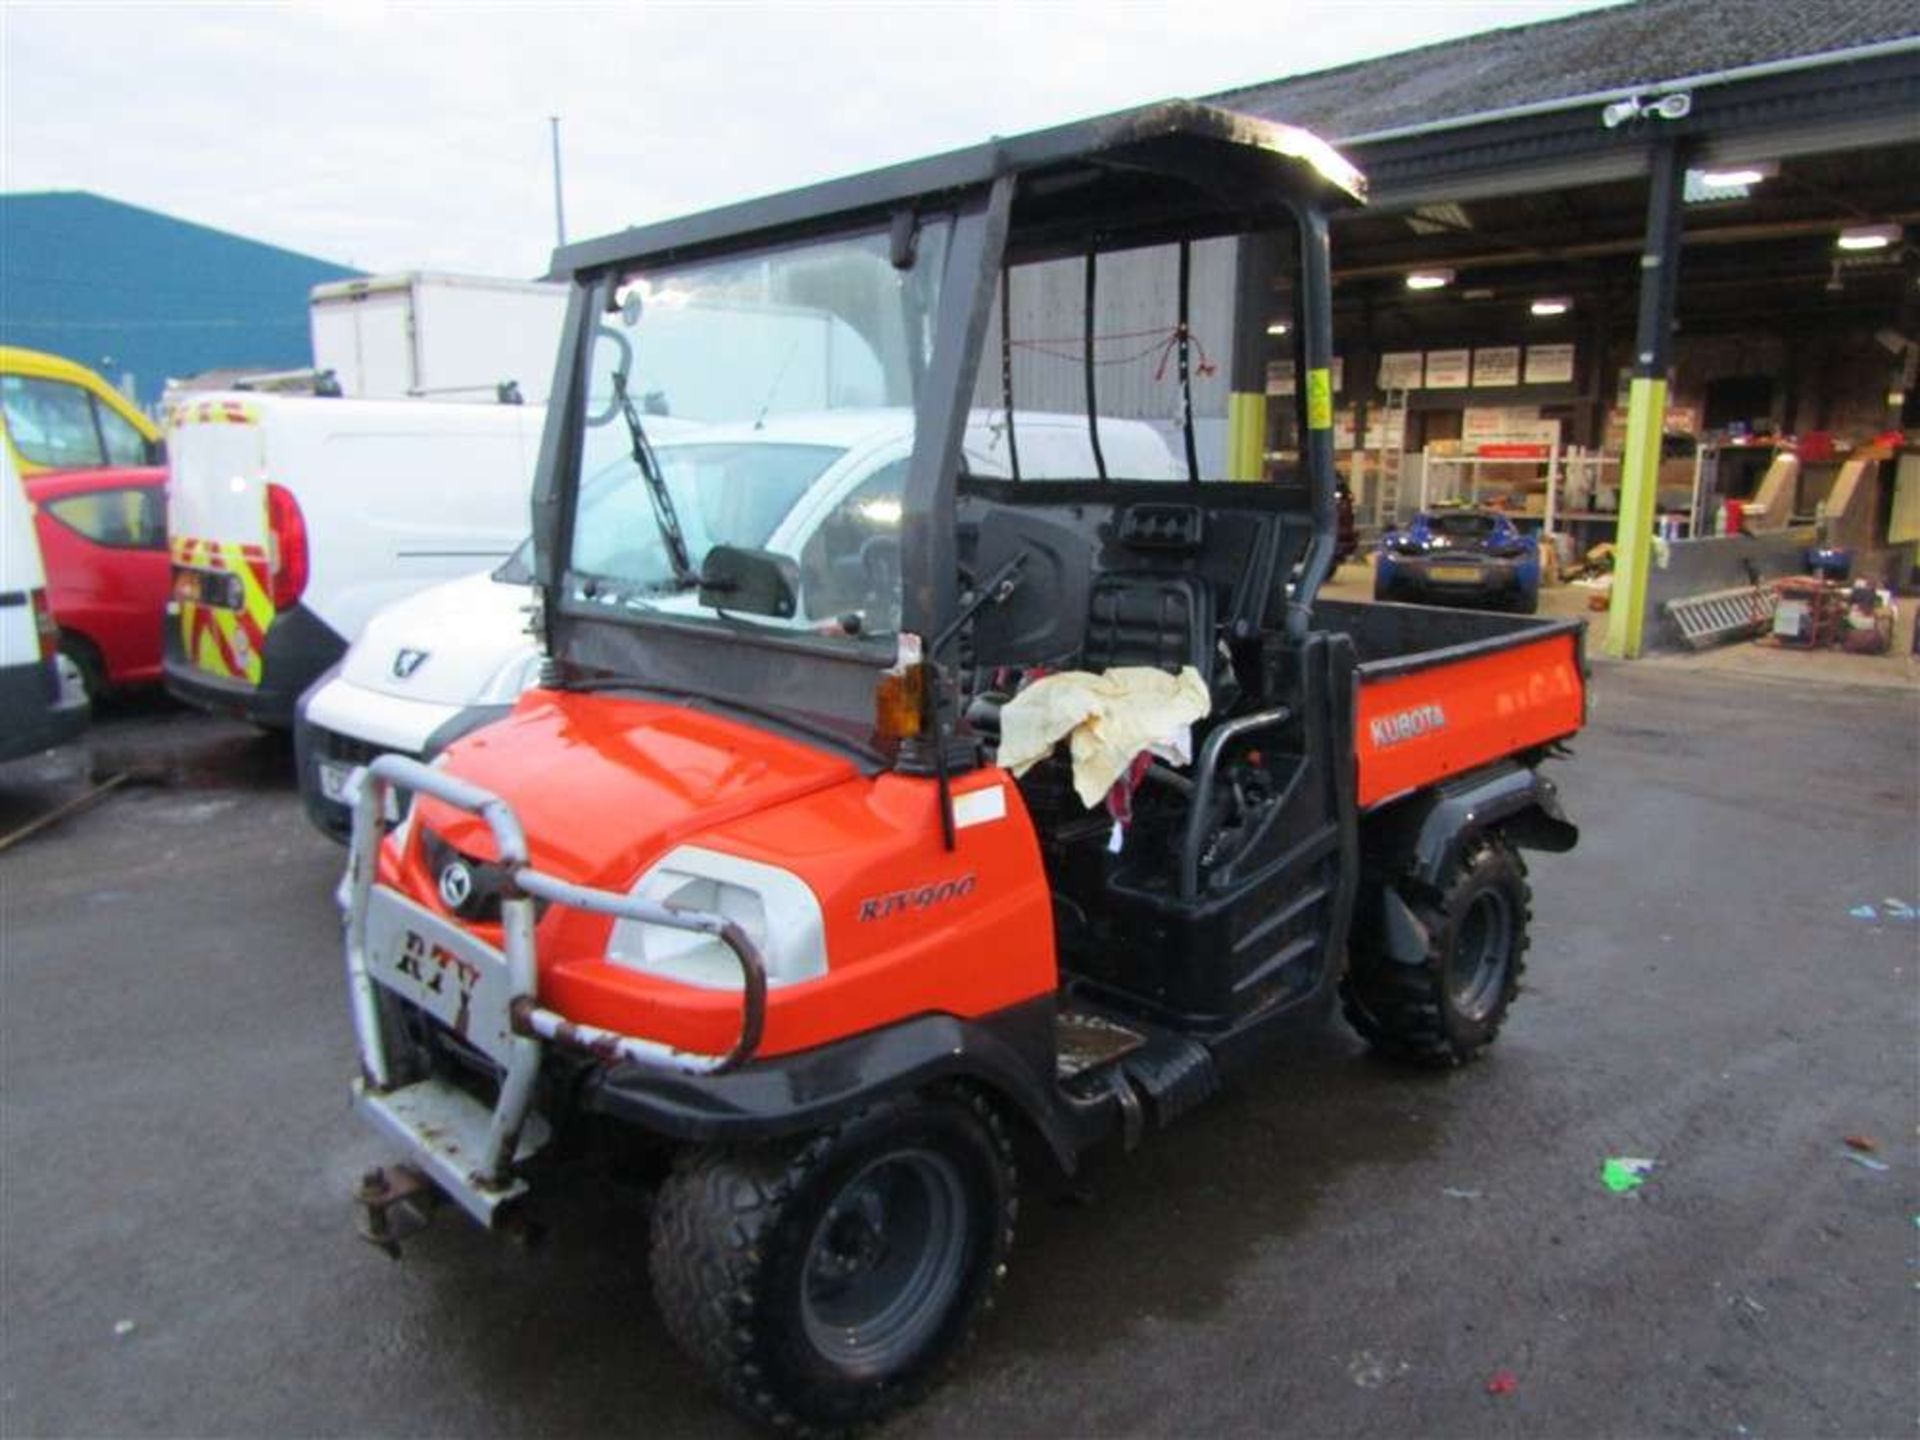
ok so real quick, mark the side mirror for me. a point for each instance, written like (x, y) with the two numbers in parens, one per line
(753, 582)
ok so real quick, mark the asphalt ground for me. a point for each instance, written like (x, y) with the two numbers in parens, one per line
(1338, 1248)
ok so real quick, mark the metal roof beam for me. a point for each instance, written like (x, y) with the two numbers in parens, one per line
(1719, 235)
(1777, 112)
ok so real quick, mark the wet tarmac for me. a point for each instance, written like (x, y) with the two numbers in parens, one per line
(1337, 1248)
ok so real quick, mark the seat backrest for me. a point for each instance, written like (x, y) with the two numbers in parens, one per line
(1137, 618)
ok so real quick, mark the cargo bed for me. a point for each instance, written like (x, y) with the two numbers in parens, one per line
(1439, 692)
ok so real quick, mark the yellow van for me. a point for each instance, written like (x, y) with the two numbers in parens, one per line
(62, 416)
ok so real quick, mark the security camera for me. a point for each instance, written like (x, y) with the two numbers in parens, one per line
(1668, 107)
(1621, 111)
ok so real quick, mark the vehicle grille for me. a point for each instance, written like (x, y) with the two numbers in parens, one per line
(346, 748)
(439, 1051)
(487, 880)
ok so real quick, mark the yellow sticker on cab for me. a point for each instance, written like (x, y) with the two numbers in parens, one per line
(1320, 398)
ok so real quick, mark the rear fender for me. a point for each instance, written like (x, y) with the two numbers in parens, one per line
(1423, 836)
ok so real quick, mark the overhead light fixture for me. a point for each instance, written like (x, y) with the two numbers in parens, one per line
(1278, 327)
(1868, 237)
(1429, 279)
(1741, 175)
(1696, 191)
(1726, 182)
(1441, 219)
(1551, 305)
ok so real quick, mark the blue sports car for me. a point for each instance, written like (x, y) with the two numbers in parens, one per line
(1460, 557)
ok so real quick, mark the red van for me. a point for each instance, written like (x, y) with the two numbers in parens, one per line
(103, 534)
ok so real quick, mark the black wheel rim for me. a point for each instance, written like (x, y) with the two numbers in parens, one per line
(885, 1263)
(1481, 949)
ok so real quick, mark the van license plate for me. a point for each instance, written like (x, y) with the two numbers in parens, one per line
(335, 779)
(208, 587)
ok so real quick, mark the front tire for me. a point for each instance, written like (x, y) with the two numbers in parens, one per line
(1447, 1008)
(826, 1282)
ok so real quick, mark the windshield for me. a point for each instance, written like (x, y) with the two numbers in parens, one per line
(1462, 527)
(762, 402)
(728, 493)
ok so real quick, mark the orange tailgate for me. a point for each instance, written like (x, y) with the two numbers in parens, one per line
(1416, 726)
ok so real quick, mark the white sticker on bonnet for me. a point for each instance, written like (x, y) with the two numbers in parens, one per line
(977, 807)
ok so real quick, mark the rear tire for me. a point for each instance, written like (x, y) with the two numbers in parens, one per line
(1446, 1009)
(86, 659)
(825, 1283)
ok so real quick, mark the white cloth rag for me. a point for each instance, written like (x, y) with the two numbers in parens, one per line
(1109, 717)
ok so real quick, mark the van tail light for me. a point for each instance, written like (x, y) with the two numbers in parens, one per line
(45, 626)
(287, 547)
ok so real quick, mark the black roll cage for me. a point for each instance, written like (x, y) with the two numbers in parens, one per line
(1169, 173)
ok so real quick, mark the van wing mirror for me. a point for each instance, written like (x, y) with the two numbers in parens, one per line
(752, 582)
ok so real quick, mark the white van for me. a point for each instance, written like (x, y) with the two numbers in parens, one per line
(448, 660)
(42, 698)
(293, 518)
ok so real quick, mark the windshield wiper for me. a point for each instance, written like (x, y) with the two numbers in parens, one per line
(664, 515)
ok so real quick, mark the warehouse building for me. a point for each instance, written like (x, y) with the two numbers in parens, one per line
(1643, 261)
(143, 297)
(1637, 251)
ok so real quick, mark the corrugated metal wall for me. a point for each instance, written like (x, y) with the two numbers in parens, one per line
(142, 296)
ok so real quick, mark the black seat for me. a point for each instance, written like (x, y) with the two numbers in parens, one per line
(1138, 618)
(1134, 618)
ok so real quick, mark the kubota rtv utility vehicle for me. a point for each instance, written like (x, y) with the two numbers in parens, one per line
(747, 890)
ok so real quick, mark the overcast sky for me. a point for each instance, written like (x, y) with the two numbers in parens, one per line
(414, 136)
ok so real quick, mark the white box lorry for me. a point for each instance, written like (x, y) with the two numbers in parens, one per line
(426, 335)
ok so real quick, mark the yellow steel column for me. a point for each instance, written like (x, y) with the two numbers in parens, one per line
(1633, 545)
(1246, 436)
(1646, 403)
(1260, 260)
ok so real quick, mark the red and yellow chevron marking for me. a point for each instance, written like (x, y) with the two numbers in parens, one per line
(213, 412)
(220, 641)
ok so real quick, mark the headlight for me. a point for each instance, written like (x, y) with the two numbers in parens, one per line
(503, 687)
(775, 907)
